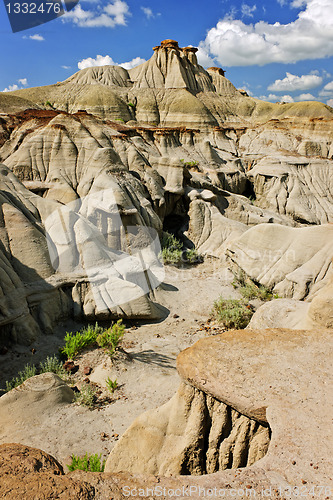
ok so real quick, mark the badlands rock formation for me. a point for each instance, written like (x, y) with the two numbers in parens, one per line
(235, 386)
(93, 169)
(105, 160)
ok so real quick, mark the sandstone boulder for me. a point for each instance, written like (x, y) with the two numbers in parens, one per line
(24, 408)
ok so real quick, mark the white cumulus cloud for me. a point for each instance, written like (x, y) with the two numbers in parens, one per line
(277, 98)
(109, 16)
(234, 43)
(11, 88)
(293, 82)
(306, 97)
(327, 90)
(14, 86)
(108, 61)
(131, 64)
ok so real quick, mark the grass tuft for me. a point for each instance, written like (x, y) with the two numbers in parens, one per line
(86, 397)
(111, 384)
(88, 463)
(53, 365)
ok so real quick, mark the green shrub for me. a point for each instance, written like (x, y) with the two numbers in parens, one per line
(88, 463)
(76, 342)
(53, 365)
(248, 289)
(173, 253)
(173, 257)
(28, 372)
(86, 397)
(192, 256)
(131, 105)
(232, 313)
(111, 337)
(111, 384)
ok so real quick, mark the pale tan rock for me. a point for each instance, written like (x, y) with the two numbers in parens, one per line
(170, 440)
(291, 261)
(281, 313)
(300, 188)
(320, 312)
(24, 408)
(274, 376)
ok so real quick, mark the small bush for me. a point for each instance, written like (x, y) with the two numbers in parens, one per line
(173, 253)
(192, 256)
(173, 257)
(232, 313)
(111, 384)
(111, 337)
(86, 397)
(53, 365)
(76, 342)
(131, 105)
(88, 463)
(28, 372)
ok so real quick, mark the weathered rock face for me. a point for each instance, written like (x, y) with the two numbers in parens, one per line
(191, 434)
(303, 191)
(294, 262)
(274, 376)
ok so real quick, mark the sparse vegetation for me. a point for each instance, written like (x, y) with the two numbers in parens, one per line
(232, 313)
(28, 372)
(190, 163)
(47, 103)
(86, 397)
(131, 105)
(111, 337)
(250, 290)
(53, 365)
(237, 313)
(88, 463)
(111, 384)
(172, 249)
(87, 337)
(76, 342)
(173, 253)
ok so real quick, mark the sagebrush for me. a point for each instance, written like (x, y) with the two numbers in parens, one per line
(232, 313)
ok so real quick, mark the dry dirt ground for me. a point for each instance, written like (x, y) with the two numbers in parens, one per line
(147, 378)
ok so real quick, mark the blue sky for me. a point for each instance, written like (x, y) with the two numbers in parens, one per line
(278, 50)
